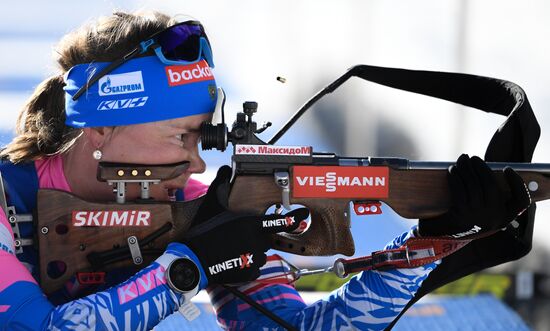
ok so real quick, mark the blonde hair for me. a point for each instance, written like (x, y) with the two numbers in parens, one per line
(40, 127)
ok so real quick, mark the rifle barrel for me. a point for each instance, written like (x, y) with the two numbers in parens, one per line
(543, 168)
(404, 164)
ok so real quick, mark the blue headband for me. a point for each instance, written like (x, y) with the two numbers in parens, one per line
(141, 90)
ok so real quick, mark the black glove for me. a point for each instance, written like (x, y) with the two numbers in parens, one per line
(231, 246)
(478, 203)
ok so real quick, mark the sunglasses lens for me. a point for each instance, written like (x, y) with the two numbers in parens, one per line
(182, 42)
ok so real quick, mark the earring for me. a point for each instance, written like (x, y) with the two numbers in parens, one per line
(97, 154)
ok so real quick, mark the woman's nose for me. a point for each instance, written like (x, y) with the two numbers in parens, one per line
(196, 164)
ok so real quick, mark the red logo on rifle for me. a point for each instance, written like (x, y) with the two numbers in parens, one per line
(273, 150)
(340, 182)
(111, 218)
(246, 149)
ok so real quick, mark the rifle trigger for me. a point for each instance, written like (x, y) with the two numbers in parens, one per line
(282, 179)
(133, 244)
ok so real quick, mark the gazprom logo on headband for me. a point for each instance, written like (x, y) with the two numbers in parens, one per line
(191, 73)
(129, 82)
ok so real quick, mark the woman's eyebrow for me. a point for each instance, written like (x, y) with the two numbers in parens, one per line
(185, 127)
(195, 127)
(184, 130)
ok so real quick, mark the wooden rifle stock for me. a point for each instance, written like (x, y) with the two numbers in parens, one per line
(413, 193)
(97, 246)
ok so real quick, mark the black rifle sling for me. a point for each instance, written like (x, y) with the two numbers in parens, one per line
(514, 141)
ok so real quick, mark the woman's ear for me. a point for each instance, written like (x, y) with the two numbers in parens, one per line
(97, 137)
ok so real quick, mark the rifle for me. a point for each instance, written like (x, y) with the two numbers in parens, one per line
(267, 175)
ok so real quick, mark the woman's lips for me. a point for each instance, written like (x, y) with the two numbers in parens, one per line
(171, 186)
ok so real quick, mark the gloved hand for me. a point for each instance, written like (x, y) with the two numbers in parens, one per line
(231, 246)
(478, 203)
